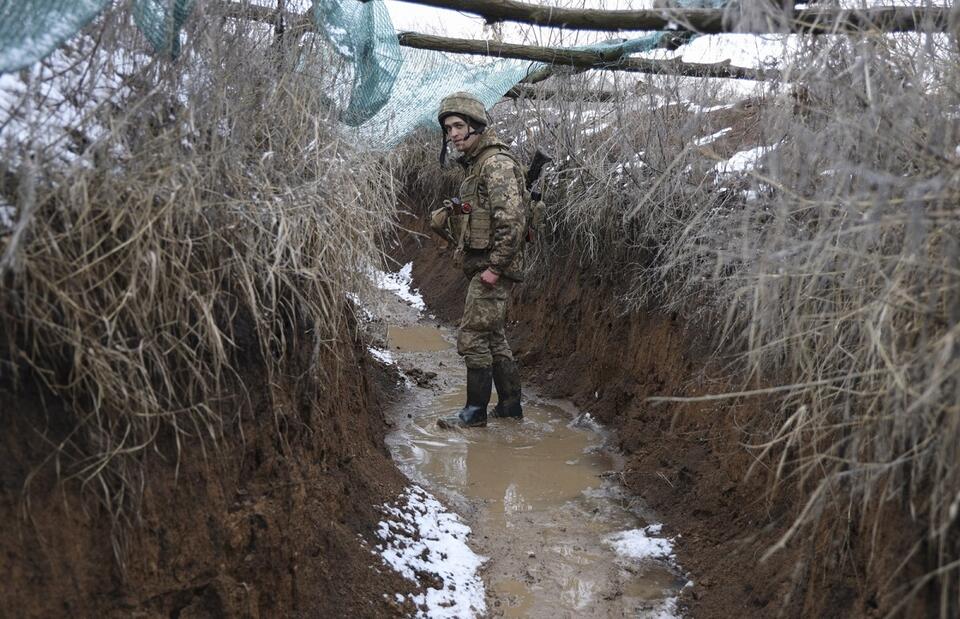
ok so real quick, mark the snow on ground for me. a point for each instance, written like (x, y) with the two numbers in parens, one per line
(7, 215)
(382, 355)
(400, 284)
(362, 310)
(697, 109)
(52, 104)
(641, 544)
(666, 610)
(742, 161)
(420, 536)
(712, 138)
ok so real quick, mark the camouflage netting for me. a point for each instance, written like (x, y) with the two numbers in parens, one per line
(393, 90)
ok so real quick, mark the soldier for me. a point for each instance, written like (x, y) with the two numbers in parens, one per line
(486, 224)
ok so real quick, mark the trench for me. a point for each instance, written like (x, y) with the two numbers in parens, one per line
(559, 534)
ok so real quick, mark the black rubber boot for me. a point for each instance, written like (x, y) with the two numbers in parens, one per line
(474, 414)
(507, 379)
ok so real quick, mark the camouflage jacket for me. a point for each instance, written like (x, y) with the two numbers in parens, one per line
(494, 189)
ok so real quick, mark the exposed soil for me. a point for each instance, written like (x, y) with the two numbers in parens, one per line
(687, 461)
(262, 524)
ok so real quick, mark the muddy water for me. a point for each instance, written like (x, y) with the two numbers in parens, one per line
(416, 339)
(541, 495)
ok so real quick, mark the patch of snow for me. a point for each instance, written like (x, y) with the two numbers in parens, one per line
(635, 162)
(362, 309)
(743, 161)
(382, 355)
(641, 544)
(53, 108)
(596, 128)
(420, 535)
(666, 610)
(400, 284)
(712, 138)
(7, 213)
(693, 107)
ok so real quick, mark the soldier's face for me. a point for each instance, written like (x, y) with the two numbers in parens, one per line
(458, 132)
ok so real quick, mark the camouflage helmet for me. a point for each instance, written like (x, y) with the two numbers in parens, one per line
(463, 104)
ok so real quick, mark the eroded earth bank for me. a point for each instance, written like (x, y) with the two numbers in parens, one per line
(266, 521)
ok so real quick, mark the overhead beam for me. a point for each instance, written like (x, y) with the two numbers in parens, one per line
(709, 21)
(582, 59)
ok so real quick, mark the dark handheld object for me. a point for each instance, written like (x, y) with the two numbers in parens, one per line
(540, 159)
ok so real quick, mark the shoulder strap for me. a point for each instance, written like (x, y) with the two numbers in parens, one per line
(490, 151)
(498, 149)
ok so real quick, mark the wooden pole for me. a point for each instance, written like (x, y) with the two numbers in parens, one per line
(710, 21)
(582, 59)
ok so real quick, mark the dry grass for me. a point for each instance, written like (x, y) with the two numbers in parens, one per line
(829, 269)
(194, 217)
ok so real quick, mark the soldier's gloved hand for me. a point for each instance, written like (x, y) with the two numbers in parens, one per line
(488, 278)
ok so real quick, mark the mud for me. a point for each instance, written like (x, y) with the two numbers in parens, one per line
(687, 461)
(416, 339)
(542, 494)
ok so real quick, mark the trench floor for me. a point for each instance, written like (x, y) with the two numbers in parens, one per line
(542, 495)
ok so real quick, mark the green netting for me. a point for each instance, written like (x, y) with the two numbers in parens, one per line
(362, 33)
(160, 21)
(32, 29)
(395, 90)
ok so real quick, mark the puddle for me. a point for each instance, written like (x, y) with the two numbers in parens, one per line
(416, 339)
(541, 495)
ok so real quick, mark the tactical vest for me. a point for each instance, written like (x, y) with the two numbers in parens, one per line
(476, 226)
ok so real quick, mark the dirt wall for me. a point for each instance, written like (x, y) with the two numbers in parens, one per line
(688, 461)
(262, 523)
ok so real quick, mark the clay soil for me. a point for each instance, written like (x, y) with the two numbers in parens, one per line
(687, 461)
(273, 520)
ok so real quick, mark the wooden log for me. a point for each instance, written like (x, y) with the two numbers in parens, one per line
(608, 60)
(815, 21)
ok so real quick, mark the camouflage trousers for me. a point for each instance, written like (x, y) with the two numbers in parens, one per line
(482, 333)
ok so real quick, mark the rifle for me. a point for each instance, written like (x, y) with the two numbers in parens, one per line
(540, 159)
(535, 208)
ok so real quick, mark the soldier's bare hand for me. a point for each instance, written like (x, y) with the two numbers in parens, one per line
(489, 279)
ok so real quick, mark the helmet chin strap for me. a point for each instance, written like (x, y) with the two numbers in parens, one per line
(443, 150)
(473, 131)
